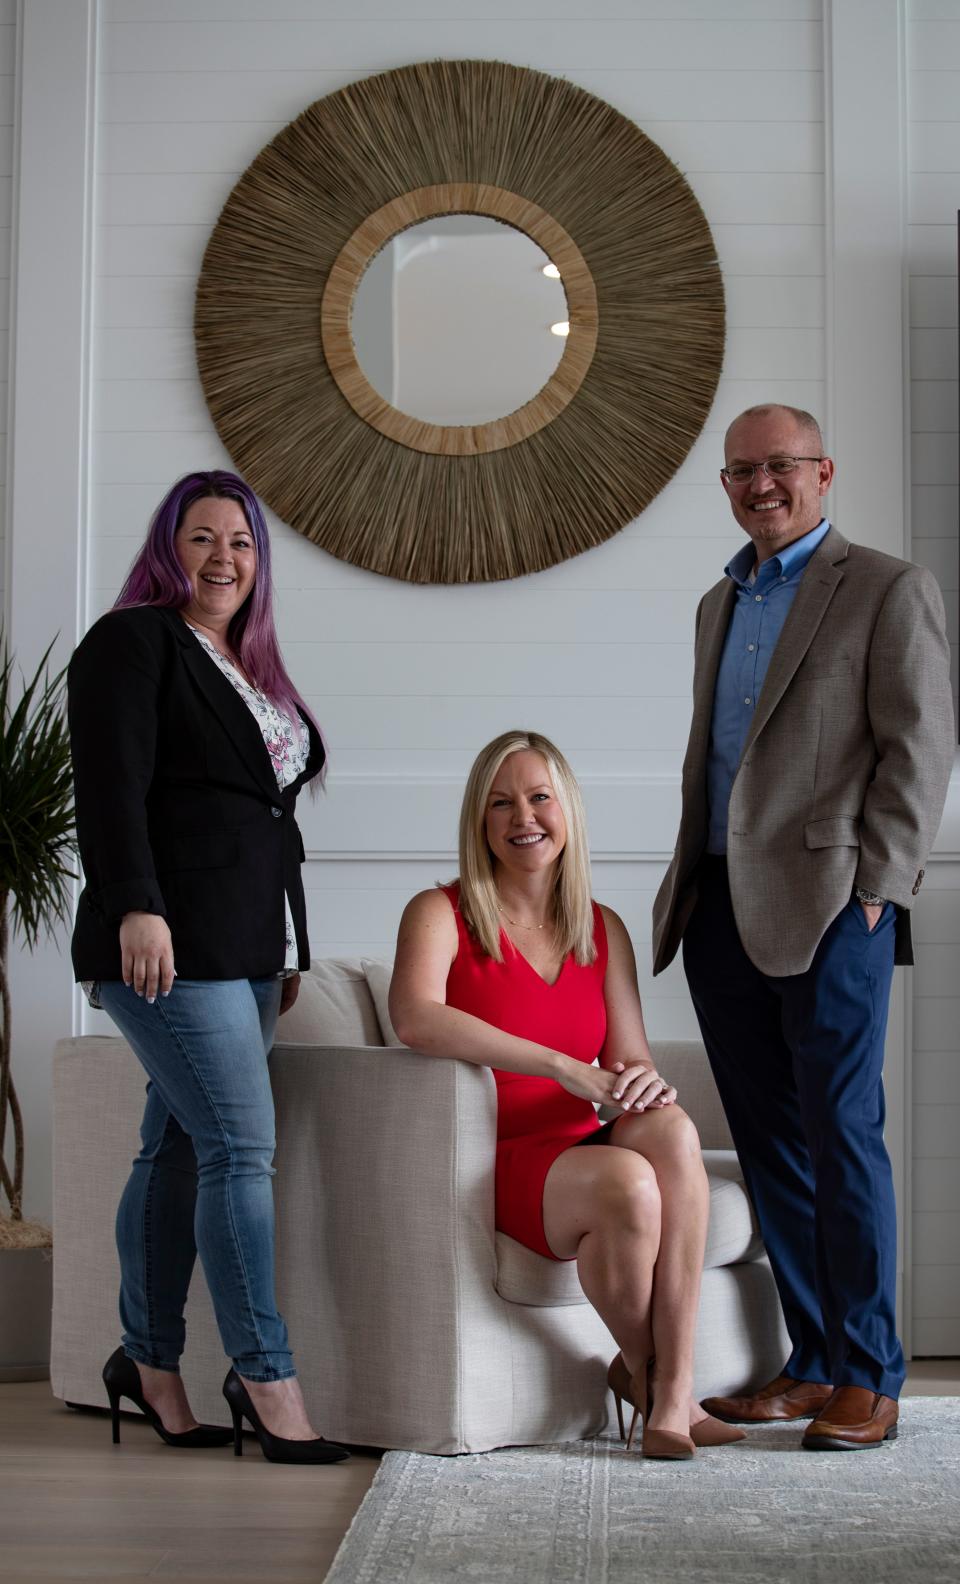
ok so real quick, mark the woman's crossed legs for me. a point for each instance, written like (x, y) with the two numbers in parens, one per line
(634, 1215)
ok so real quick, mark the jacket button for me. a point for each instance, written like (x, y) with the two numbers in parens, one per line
(277, 813)
(919, 881)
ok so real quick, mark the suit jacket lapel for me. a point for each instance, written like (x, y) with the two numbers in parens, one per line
(819, 583)
(711, 636)
(236, 719)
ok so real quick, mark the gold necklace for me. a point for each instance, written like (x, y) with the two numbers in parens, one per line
(516, 922)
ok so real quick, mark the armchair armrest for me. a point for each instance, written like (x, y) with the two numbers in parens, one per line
(385, 1233)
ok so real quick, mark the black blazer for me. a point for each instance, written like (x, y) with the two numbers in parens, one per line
(178, 808)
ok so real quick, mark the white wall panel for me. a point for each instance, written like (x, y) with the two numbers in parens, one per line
(933, 301)
(231, 11)
(440, 720)
(934, 1338)
(195, 147)
(935, 1235)
(144, 302)
(790, 248)
(777, 146)
(937, 1291)
(781, 197)
(935, 458)
(936, 1129)
(936, 1021)
(151, 250)
(936, 510)
(160, 199)
(124, 406)
(935, 43)
(935, 146)
(154, 458)
(648, 96)
(619, 670)
(933, 349)
(771, 302)
(129, 353)
(932, 196)
(708, 43)
(937, 1077)
(936, 1184)
(930, 248)
(934, 405)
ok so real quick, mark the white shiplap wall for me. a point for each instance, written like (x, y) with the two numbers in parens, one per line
(410, 682)
(8, 51)
(934, 199)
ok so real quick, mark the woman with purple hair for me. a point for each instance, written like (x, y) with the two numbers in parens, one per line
(190, 744)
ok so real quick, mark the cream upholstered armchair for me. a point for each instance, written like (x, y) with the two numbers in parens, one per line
(414, 1323)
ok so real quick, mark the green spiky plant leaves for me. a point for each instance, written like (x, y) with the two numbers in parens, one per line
(37, 845)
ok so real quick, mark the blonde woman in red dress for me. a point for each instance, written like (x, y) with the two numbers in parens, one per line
(514, 967)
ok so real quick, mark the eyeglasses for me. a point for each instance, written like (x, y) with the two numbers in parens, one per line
(774, 467)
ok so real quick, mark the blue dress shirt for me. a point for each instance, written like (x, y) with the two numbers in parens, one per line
(756, 622)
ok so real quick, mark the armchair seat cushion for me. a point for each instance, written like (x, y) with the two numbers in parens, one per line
(524, 1277)
(732, 1232)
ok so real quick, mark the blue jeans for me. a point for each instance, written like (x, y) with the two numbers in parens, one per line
(202, 1180)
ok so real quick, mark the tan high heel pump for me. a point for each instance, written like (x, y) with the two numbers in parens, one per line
(708, 1432)
(627, 1388)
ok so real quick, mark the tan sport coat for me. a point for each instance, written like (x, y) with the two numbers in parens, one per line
(844, 772)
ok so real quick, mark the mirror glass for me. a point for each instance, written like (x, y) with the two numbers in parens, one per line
(452, 322)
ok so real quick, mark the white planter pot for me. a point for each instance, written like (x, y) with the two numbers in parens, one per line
(26, 1296)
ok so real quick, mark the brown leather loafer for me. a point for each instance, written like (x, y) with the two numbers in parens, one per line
(784, 1398)
(853, 1419)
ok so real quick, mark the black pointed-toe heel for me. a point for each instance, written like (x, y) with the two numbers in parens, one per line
(122, 1379)
(276, 1449)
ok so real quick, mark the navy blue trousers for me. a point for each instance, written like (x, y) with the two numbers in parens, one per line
(798, 1062)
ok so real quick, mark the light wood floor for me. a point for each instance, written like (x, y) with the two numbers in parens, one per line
(73, 1506)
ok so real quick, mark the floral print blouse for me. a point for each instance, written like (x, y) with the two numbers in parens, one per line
(288, 745)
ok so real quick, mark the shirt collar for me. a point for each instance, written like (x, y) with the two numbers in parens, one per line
(789, 563)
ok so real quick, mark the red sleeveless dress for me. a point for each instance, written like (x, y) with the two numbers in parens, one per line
(536, 1119)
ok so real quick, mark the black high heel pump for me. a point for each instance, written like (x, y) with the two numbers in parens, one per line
(276, 1449)
(122, 1379)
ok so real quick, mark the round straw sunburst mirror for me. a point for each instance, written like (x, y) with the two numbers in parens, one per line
(480, 446)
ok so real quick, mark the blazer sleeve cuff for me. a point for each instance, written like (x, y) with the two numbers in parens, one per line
(141, 895)
(894, 885)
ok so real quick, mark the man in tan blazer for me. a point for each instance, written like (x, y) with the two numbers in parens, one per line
(814, 780)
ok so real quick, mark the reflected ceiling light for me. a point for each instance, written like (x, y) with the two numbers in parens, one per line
(561, 328)
(551, 272)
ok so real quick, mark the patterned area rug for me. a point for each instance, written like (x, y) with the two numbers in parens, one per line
(760, 1512)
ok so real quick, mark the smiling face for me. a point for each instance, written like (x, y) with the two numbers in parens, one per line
(524, 823)
(215, 547)
(775, 512)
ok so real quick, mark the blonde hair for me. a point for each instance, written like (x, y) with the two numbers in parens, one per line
(479, 901)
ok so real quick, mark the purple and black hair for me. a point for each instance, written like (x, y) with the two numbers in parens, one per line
(157, 578)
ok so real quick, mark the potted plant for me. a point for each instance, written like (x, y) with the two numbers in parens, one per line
(36, 847)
